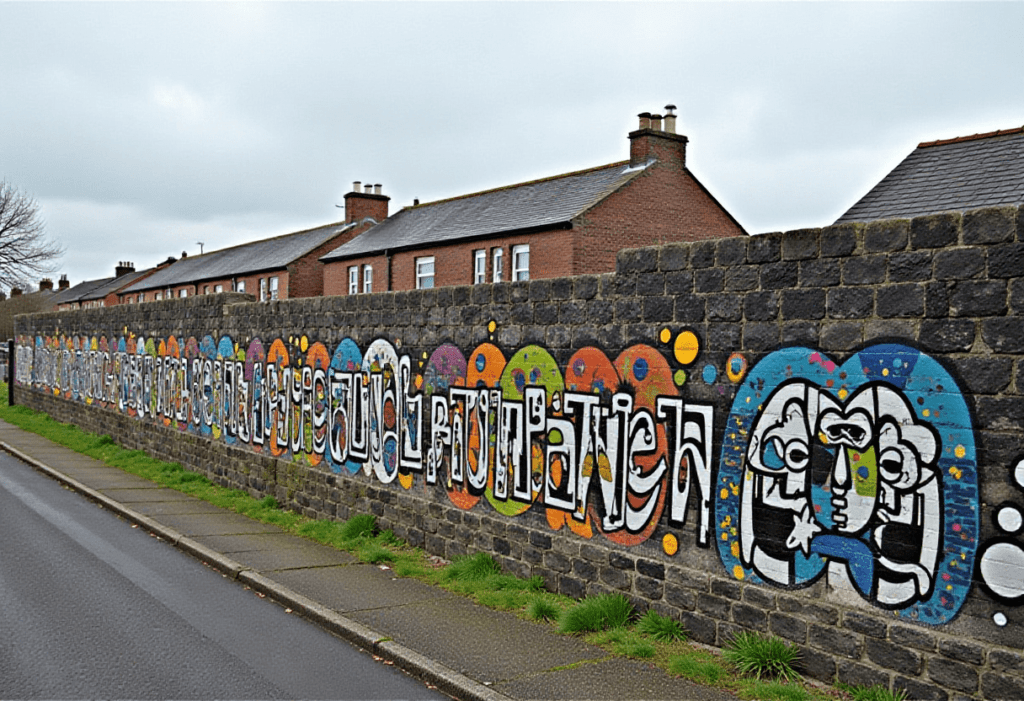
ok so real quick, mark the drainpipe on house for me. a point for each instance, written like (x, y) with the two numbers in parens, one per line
(387, 257)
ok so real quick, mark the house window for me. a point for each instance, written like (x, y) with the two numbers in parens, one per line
(273, 287)
(218, 288)
(497, 265)
(240, 286)
(157, 296)
(521, 262)
(424, 273)
(183, 292)
(353, 279)
(263, 289)
(367, 278)
(479, 266)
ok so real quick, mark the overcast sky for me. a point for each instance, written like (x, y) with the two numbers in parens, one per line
(144, 128)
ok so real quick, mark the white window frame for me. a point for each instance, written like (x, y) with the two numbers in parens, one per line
(424, 280)
(217, 289)
(240, 286)
(353, 279)
(157, 296)
(479, 266)
(263, 289)
(367, 279)
(183, 292)
(273, 287)
(497, 264)
(521, 254)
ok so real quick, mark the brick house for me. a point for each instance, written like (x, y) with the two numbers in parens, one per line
(569, 224)
(948, 175)
(105, 292)
(276, 268)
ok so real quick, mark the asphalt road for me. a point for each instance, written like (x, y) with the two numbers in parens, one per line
(91, 607)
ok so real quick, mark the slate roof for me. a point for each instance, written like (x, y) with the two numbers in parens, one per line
(268, 254)
(535, 205)
(97, 289)
(983, 170)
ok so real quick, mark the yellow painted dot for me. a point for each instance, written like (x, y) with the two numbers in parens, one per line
(666, 335)
(735, 549)
(738, 572)
(686, 347)
(960, 451)
(670, 544)
(725, 493)
(927, 412)
(843, 393)
(725, 536)
(491, 326)
(304, 344)
(885, 372)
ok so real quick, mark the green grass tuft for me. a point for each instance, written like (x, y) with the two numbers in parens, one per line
(873, 693)
(540, 609)
(596, 613)
(359, 526)
(472, 568)
(762, 690)
(762, 656)
(698, 668)
(660, 628)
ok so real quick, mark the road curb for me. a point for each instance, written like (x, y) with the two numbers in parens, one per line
(444, 678)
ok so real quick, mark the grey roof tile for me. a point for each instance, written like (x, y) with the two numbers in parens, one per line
(953, 175)
(267, 254)
(540, 203)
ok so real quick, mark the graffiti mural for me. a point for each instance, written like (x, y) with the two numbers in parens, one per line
(861, 473)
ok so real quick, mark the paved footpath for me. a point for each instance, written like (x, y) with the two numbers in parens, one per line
(466, 650)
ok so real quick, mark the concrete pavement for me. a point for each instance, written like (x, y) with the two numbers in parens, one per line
(466, 650)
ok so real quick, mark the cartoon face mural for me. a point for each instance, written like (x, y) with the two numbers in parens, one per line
(863, 473)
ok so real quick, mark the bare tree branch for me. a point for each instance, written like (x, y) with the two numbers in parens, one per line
(25, 252)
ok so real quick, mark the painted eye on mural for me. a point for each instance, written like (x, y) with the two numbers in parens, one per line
(890, 465)
(797, 455)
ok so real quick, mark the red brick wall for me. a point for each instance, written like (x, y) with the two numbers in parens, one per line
(664, 203)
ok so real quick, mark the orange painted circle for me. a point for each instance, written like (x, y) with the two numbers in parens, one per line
(686, 347)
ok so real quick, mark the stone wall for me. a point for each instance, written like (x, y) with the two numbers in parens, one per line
(815, 434)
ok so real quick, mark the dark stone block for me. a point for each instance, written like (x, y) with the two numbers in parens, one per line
(650, 284)
(912, 637)
(741, 278)
(859, 623)
(953, 675)
(886, 235)
(803, 304)
(915, 266)
(583, 287)
(864, 270)
(963, 651)
(842, 335)
(679, 282)
(540, 540)
(801, 244)
(724, 307)
(778, 276)
(627, 310)
(1007, 661)
(648, 588)
(674, 256)
(840, 240)
(616, 578)
(657, 309)
(680, 597)
(699, 628)
(709, 280)
(731, 251)
(760, 336)
(690, 309)
(985, 375)
(649, 568)
(788, 627)
(557, 562)
(1006, 260)
(836, 641)
(919, 690)
(947, 335)
(636, 260)
(935, 230)
(960, 264)
(620, 561)
(728, 588)
(584, 569)
(894, 657)
(702, 254)
(906, 300)
(761, 306)
(991, 225)
(802, 332)
(978, 298)
(1003, 334)
(850, 302)
(807, 609)
(816, 664)
(1002, 688)
(750, 617)
(766, 248)
(714, 606)
(860, 675)
(572, 587)
(820, 273)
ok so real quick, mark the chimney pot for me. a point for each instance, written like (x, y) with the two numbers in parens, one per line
(16, 292)
(356, 186)
(63, 283)
(670, 119)
(645, 120)
(45, 284)
(656, 122)
(368, 189)
(376, 189)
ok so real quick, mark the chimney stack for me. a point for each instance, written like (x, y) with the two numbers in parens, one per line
(45, 284)
(123, 268)
(366, 203)
(670, 119)
(650, 143)
(16, 292)
(63, 283)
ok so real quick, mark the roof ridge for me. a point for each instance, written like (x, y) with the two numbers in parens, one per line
(972, 137)
(515, 185)
(269, 238)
